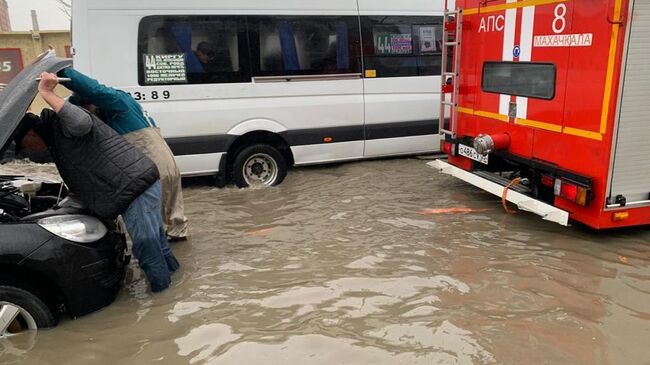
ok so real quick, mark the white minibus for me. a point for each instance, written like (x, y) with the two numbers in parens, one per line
(249, 88)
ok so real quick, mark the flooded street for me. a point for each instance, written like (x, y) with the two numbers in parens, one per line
(364, 263)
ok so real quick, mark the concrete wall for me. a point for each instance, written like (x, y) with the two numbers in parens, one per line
(33, 44)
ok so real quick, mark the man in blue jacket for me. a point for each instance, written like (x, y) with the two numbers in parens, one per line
(127, 117)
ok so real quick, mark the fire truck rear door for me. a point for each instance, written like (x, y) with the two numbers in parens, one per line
(630, 176)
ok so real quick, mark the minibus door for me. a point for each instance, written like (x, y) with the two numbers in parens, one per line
(401, 82)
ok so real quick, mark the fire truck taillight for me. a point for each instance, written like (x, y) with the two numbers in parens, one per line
(548, 181)
(446, 147)
(570, 191)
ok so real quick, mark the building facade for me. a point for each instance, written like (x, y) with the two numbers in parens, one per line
(5, 23)
(19, 49)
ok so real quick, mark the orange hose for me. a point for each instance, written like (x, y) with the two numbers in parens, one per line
(504, 200)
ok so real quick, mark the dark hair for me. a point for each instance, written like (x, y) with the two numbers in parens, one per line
(78, 100)
(28, 122)
(42, 126)
(208, 48)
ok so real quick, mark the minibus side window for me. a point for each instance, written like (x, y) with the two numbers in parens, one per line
(534, 80)
(304, 45)
(193, 50)
(401, 46)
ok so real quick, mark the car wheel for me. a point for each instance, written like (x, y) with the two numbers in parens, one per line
(258, 166)
(21, 310)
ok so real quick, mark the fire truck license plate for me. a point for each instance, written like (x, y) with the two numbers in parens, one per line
(469, 152)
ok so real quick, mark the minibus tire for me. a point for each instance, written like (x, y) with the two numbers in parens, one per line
(264, 164)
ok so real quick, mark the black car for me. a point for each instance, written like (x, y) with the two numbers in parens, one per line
(55, 257)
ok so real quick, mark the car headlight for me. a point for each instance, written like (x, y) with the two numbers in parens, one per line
(76, 228)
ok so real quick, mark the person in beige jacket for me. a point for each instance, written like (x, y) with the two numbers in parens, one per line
(127, 117)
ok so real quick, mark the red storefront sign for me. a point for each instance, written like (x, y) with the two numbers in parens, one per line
(11, 63)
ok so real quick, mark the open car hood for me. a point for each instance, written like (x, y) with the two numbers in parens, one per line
(21, 91)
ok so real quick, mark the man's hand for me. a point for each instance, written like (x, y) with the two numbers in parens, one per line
(48, 83)
(46, 89)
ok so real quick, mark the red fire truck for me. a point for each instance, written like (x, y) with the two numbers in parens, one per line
(548, 106)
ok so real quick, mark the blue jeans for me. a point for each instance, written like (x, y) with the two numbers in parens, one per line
(144, 222)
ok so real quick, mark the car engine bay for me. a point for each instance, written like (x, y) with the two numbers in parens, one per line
(23, 199)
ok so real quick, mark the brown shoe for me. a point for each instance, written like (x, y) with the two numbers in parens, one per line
(176, 238)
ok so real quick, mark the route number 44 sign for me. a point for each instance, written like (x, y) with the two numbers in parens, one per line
(393, 43)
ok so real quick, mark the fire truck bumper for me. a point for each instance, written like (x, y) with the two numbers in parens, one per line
(523, 202)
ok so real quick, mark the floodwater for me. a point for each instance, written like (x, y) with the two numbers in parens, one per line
(364, 263)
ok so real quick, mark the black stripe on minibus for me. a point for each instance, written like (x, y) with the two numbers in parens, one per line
(402, 129)
(181, 146)
(356, 133)
(198, 145)
(302, 137)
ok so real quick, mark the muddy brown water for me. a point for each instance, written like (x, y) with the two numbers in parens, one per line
(356, 264)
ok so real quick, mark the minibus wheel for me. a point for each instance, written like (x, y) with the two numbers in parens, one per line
(259, 165)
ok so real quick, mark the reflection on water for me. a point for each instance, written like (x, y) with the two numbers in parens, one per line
(383, 262)
(27, 168)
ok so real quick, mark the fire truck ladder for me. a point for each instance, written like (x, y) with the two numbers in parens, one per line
(451, 38)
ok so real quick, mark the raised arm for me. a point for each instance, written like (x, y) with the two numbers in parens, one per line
(46, 90)
(74, 121)
(102, 96)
